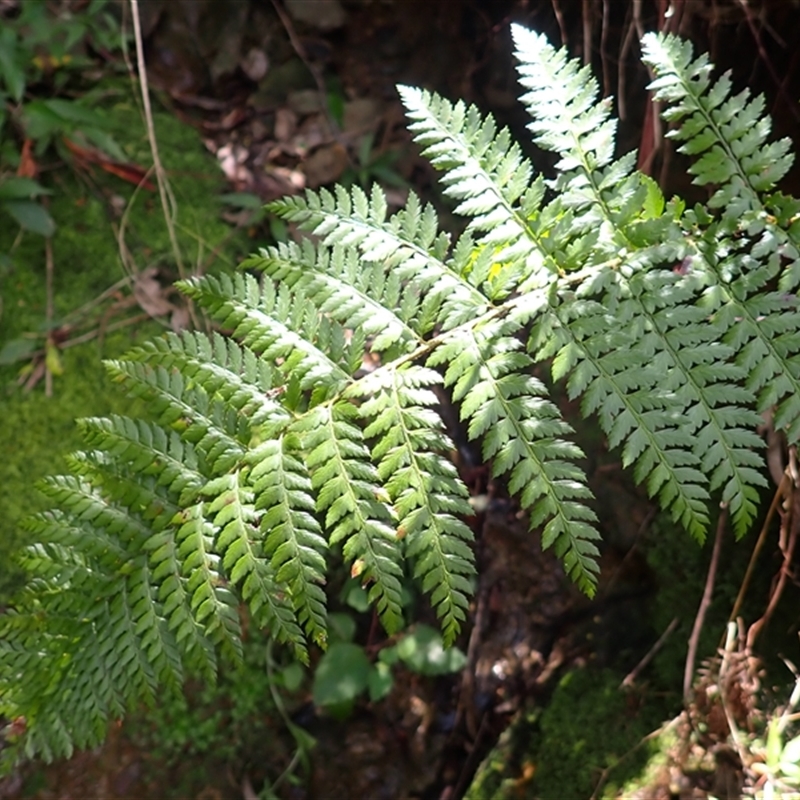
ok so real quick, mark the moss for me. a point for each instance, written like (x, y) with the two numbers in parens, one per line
(37, 431)
(505, 773)
(590, 730)
(591, 725)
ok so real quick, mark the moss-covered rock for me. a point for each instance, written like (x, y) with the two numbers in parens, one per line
(591, 730)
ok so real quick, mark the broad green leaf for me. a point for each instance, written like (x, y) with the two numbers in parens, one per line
(21, 189)
(30, 216)
(12, 71)
(341, 675)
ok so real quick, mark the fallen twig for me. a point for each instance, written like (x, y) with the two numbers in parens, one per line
(631, 677)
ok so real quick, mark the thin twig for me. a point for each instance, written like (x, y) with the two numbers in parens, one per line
(604, 49)
(92, 334)
(643, 526)
(586, 15)
(466, 697)
(48, 266)
(627, 40)
(788, 540)
(780, 493)
(560, 20)
(161, 176)
(705, 602)
(96, 301)
(633, 675)
(788, 101)
(125, 255)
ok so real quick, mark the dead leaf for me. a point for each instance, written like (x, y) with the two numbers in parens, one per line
(285, 124)
(150, 294)
(28, 168)
(325, 165)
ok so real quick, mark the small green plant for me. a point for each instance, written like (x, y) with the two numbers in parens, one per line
(309, 421)
(42, 60)
(226, 725)
(775, 759)
(345, 671)
(18, 198)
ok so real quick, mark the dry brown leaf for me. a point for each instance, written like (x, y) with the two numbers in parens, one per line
(325, 165)
(150, 294)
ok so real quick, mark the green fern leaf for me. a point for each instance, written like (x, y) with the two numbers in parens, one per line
(348, 494)
(294, 543)
(212, 602)
(424, 487)
(406, 244)
(360, 297)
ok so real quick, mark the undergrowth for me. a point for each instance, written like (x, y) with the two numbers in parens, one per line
(309, 420)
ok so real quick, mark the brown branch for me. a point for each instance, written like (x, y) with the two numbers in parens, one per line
(780, 493)
(788, 540)
(705, 602)
(632, 676)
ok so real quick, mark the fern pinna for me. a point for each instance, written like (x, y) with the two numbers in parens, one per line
(310, 421)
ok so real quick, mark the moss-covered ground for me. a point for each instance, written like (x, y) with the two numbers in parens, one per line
(37, 431)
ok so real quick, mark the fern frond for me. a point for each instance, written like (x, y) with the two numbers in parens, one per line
(310, 419)
(702, 407)
(223, 368)
(484, 170)
(747, 250)
(407, 244)
(422, 484)
(212, 602)
(294, 543)
(360, 296)
(729, 133)
(239, 542)
(281, 327)
(148, 449)
(208, 424)
(521, 434)
(349, 492)
(81, 500)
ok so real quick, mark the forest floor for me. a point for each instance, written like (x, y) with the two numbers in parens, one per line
(560, 697)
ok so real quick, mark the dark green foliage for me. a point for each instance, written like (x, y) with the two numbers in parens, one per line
(588, 726)
(312, 422)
